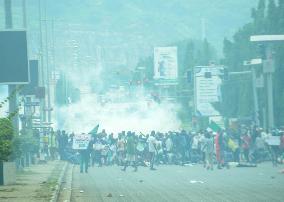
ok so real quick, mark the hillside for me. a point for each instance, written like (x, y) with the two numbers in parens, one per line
(150, 22)
(158, 20)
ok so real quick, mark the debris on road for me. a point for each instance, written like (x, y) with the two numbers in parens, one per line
(189, 164)
(196, 181)
(81, 191)
(246, 165)
(109, 195)
(121, 195)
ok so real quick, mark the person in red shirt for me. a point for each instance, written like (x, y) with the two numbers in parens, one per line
(246, 142)
(220, 146)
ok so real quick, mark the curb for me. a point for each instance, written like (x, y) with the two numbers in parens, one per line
(71, 183)
(55, 194)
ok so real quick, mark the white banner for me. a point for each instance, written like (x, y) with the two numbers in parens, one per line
(207, 89)
(273, 141)
(165, 63)
(81, 141)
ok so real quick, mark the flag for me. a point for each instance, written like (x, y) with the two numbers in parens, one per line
(95, 130)
(214, 126)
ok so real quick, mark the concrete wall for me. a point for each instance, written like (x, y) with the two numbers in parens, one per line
(7, 173)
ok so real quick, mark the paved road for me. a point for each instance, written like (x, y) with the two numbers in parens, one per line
(175, 183)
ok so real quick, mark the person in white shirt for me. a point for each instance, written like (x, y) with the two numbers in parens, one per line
(152, 149)
(169, 149)
(120, 150)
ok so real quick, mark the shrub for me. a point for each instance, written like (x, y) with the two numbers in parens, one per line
(6, 139)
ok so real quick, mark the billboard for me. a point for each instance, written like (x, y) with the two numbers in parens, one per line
(14, 68)
(30, 89)
(165, 63)
(207, 84)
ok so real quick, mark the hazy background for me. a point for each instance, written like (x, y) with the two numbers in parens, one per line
(92, 41)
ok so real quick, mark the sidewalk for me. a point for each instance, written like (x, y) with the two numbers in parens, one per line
(36, 183)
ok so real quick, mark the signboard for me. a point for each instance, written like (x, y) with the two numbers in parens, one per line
(165, 63)
(14, 66)
(268, 66)
(207, 89)
(30, 88)
(273, 141)
(81, 141)
(259, 82)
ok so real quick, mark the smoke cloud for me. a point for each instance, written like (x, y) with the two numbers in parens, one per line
(140, 116)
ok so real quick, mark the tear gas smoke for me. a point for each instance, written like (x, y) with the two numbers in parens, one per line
(118, 110)
(140, 116)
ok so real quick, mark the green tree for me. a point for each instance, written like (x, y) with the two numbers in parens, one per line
(265, 20)
(6, 138)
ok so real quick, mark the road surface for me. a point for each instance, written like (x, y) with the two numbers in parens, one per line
(176, 183)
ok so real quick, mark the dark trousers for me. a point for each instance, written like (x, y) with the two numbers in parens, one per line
(246, 154)
(152, 159)
(84, 162)
(98, 157)
(237, 155)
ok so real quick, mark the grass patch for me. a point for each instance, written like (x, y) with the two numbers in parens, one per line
(48, 187)
(8, 190)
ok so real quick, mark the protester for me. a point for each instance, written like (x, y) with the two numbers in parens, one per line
(53, 145)
(120, 149)
(209, 150)
(130, 151)
(246, 143)
(174, 147)
(220, 149)
(98, 152)
(85, 157)
(152, 149)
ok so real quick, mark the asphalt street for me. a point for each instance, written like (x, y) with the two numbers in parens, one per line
(176, 183)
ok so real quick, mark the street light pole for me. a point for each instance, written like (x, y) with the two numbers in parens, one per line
(252, 63)
(269, 65)
(255, 98)
(268, 69)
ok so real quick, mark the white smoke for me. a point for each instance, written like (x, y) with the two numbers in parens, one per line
(140, 116)
(119, 109)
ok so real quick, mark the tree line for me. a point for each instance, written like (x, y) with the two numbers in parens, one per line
(267, 18)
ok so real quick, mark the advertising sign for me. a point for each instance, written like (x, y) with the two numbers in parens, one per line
(165, 63)
(207, 90)
(81, 141)
(14, 65)
(30, 88)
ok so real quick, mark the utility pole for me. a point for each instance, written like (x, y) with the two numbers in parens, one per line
(24, 6)
(8, 14)
(11, 88)
(47, 67)
(269, 70)
(42, 72)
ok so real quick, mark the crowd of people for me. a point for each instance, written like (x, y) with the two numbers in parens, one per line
(246, 146)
